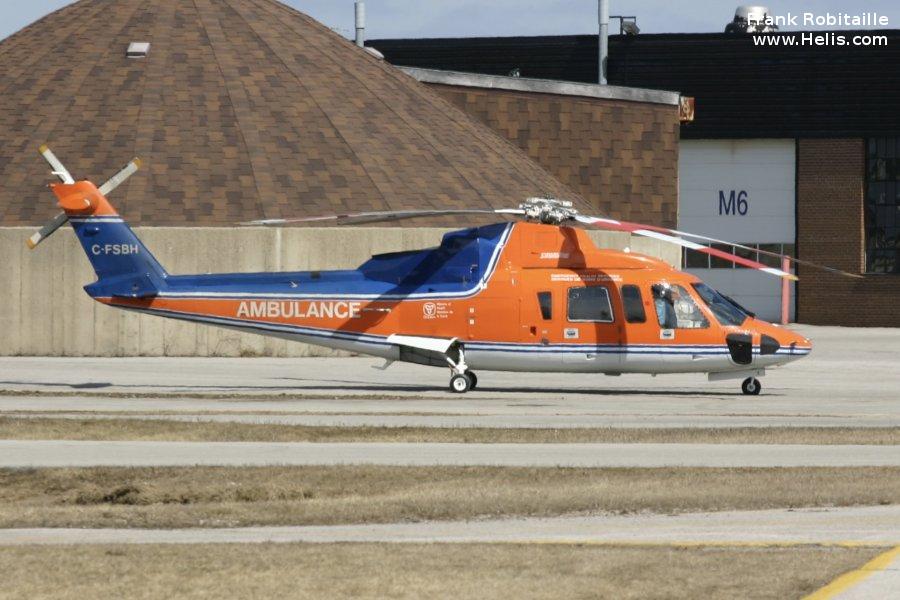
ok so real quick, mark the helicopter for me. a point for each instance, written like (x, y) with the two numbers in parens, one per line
(533, 294)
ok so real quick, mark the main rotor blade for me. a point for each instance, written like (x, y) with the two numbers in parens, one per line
(120, 177)
(47, 230)
(766, 253)
(384, 216)
(58, 168)
(675, 232)
(666, 236)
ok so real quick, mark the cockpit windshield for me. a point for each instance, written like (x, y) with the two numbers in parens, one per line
(726, 310)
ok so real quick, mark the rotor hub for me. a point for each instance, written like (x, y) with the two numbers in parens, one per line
(548, 211)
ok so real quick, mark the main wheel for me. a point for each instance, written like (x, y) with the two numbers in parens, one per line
(751, 386)
(459, 384)
(473, 380)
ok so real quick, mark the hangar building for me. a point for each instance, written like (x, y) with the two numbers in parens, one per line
(792, 148)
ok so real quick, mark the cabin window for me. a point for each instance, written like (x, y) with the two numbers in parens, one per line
(676, 308)
(545, 300)
(634, 304)
(590, 304)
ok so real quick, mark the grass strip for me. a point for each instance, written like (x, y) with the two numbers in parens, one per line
(310, 495)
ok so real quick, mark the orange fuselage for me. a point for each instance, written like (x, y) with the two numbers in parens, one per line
(551, 301)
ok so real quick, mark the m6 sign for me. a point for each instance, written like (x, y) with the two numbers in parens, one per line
(736, 203)
(741, 190)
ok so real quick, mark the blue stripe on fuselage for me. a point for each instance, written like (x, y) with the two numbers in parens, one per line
(459, 268)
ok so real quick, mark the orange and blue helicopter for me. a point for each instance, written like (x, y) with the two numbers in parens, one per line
(533, 295)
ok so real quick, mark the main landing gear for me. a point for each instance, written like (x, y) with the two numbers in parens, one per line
(460, 384)
(751, 386)
(461, 378)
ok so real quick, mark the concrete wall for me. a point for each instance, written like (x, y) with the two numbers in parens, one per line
(46, 313)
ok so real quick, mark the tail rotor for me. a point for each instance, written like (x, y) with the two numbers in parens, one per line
(59, 169)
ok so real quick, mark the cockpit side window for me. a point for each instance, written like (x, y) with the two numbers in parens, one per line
(724, 309)
(676, 308)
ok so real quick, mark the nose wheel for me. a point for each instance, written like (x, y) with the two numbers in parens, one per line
(751, 386)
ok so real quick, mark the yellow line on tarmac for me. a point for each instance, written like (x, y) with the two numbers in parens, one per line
(689, 543)
(848, 580)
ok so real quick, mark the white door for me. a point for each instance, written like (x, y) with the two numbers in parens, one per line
(742, 191)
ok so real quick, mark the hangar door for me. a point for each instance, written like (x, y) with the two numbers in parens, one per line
(741, 191)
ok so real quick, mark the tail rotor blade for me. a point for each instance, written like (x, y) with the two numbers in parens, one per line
(120, 177)
(47, 230)
(59, 169)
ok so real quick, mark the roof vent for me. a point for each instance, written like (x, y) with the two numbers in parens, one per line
(751, 19)
(138, 50)
(374, 52)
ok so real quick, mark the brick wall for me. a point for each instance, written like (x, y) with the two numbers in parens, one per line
(831, 231)
(621, 156)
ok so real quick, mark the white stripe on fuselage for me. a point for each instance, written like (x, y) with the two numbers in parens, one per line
(511, 356)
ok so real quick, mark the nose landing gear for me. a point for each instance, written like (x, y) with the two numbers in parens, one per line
(751, 386)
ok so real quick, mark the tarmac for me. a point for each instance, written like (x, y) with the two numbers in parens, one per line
(64, 453)
(870, 526)
(852, 379)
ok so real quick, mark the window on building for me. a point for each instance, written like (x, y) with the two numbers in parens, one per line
(634, 304)
(545, 300)
(883, 206)
(698, 260)
(590, 304)
(676, 309)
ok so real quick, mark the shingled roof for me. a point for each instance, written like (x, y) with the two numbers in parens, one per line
(242, 109)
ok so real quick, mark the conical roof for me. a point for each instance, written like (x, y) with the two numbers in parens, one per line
(242, 109)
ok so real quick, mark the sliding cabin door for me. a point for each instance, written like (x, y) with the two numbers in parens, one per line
(591, 332)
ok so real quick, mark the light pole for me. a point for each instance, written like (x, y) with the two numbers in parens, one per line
(603, 10)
